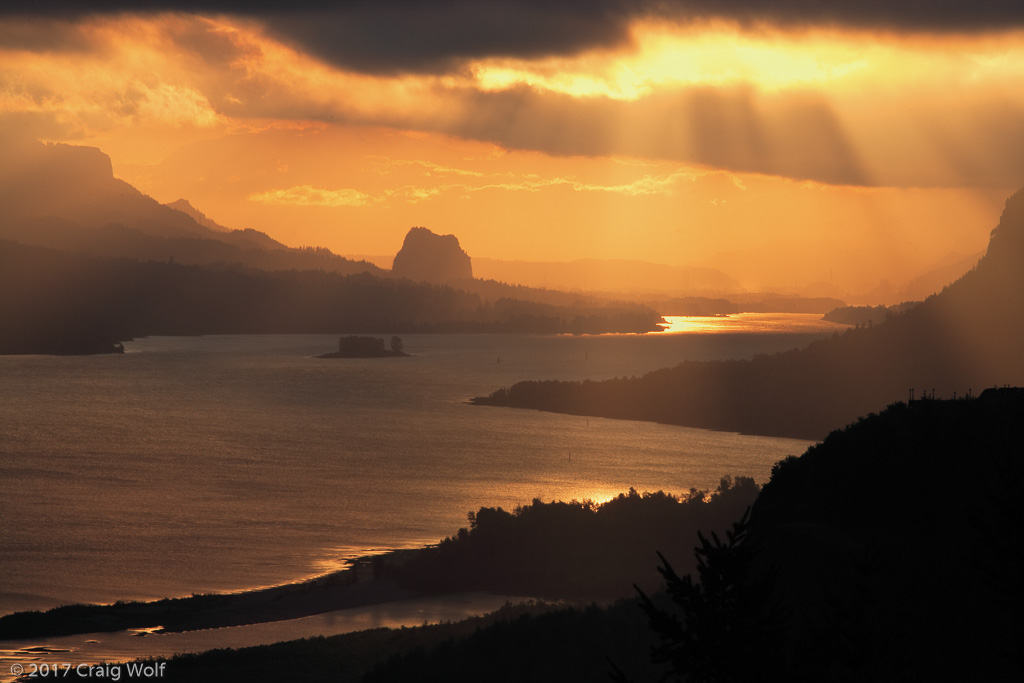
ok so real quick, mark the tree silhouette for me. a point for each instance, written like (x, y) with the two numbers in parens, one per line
(724, 627)
(396, 345)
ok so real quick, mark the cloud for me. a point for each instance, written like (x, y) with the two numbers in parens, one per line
(42, 35)
(907, 114)
(407, 36)
(797, 135)
(430, 168)
(646, 185)
(114, 73)
(307, 195)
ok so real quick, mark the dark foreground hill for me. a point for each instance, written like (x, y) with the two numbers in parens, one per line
(893, 551)
(965, 338)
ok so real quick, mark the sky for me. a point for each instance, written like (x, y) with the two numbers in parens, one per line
(787, 143)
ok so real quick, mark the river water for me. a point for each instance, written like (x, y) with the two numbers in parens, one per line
(201, 464)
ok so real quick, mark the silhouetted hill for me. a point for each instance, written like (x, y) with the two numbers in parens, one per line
(66, 197)
(965, 338)
(428, 257)
(561, 549)
(892, 551)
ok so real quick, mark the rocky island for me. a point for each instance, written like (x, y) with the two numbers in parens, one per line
(354, 346)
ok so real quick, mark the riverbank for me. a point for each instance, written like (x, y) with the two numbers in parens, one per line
(340, 590)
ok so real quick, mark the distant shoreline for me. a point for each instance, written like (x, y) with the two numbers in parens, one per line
(58, 345)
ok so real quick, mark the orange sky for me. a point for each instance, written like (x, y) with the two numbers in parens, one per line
(784, 155)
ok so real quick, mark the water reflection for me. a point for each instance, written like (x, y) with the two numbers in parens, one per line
(760, 323)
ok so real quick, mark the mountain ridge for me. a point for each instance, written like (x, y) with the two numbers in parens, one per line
(66, 197)
(965, 338)
(185, 206)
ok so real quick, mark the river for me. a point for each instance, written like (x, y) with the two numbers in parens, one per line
(222, 463)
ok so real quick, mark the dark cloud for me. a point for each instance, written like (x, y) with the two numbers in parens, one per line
(403, 37)
(791, 135)
(43, 36)
(418, 36)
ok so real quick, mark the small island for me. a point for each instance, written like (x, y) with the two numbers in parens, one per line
(353, 346)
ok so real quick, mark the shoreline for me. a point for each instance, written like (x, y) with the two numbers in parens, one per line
(331, 592)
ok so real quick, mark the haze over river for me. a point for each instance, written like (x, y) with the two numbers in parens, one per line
(201, 464)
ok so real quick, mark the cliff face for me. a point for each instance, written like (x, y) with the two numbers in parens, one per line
(1006, 248)
(42, 179)
(426, 256)
(61, 190)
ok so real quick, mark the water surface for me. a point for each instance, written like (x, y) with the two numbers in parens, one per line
(199, 464)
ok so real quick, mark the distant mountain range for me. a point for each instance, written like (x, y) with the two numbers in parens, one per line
(66, 197)
(964, 339)
(672, 289)
(87, 260)
(637, 278)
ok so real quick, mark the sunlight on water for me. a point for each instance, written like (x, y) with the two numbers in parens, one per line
(758, 323)
(202, 464)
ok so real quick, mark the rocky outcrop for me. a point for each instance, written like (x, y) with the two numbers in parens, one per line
(428, 257)
(56, 192)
